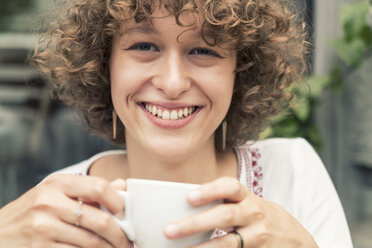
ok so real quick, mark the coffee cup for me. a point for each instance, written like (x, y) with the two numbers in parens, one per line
(150, 205)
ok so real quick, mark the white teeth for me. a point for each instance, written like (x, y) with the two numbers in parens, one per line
(154, 110)
(160, 112)
(169, 115)
(185, 112)
(165, 115)
(174, 115)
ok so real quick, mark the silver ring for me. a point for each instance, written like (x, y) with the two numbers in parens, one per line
(239, 239)
(79, 213)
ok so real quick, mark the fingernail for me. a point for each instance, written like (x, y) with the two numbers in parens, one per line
(172, 230)
(195, 196)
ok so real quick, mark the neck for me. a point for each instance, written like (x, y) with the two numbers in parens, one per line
(199, 165)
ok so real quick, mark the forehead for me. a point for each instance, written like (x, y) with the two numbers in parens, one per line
(192, 15)
(186, 26)
(162, 16)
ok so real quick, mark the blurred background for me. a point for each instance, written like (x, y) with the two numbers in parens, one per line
(39, 135)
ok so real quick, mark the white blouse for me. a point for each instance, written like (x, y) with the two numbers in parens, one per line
(289, 173)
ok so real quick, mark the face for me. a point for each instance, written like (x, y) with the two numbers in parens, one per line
(169, 88)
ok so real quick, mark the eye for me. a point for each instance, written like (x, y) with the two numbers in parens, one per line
(144, 46)
(204, 52)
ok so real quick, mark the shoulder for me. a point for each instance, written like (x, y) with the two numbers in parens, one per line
(286, 160)
(280, 153)
(290, 157)
(265, 164)
(295, 178)
(280, 145)
(283, 162)
(289, 160)
(83, 167)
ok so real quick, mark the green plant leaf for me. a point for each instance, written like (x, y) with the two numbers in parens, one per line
(313, 137)
(268, 132)
(366, 35)
(352, 52)
(351, 49)
(287, 128)
(337, 79)
(302, 109)
(318, 83)
(301, 90)
(354, 18)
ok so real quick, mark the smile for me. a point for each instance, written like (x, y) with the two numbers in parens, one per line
(169, 114)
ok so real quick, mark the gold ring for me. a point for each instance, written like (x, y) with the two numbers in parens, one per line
(79, 213)
(239, 239)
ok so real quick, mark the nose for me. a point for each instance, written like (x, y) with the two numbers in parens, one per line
(172, 77)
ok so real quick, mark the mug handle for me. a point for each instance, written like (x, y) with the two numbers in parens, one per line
(125, 222)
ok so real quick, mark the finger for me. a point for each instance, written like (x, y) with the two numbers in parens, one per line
(228, 240)
(80, 237)
(89, 188)
(221, 216)
(119, 184)
(96, 221)
(227, 188)
(57, 231)
(61, 245)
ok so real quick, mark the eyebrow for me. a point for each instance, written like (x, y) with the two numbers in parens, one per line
(150, 29)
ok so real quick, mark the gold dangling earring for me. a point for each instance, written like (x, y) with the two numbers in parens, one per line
(114, 122)
(224, 130)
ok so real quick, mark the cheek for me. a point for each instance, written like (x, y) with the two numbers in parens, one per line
(117, 86)
(125, 80)
(219, 88)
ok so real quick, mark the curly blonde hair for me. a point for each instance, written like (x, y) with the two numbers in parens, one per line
(268, 35)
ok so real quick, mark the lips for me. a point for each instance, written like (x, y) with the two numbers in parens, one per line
(168, 115)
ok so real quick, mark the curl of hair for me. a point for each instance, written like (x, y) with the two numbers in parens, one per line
(268, 35)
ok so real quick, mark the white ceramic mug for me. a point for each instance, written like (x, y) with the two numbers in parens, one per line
(151, 205)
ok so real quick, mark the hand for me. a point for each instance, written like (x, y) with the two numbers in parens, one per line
(46, 215)
(259, 222)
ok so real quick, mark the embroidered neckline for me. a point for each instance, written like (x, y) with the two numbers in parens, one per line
(257, 171)
(249, 161)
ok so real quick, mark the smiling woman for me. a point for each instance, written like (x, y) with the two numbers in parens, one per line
(184, 85)
(270, 42)
(169, 68)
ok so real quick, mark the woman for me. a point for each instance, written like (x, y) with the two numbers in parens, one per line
(190, 82)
